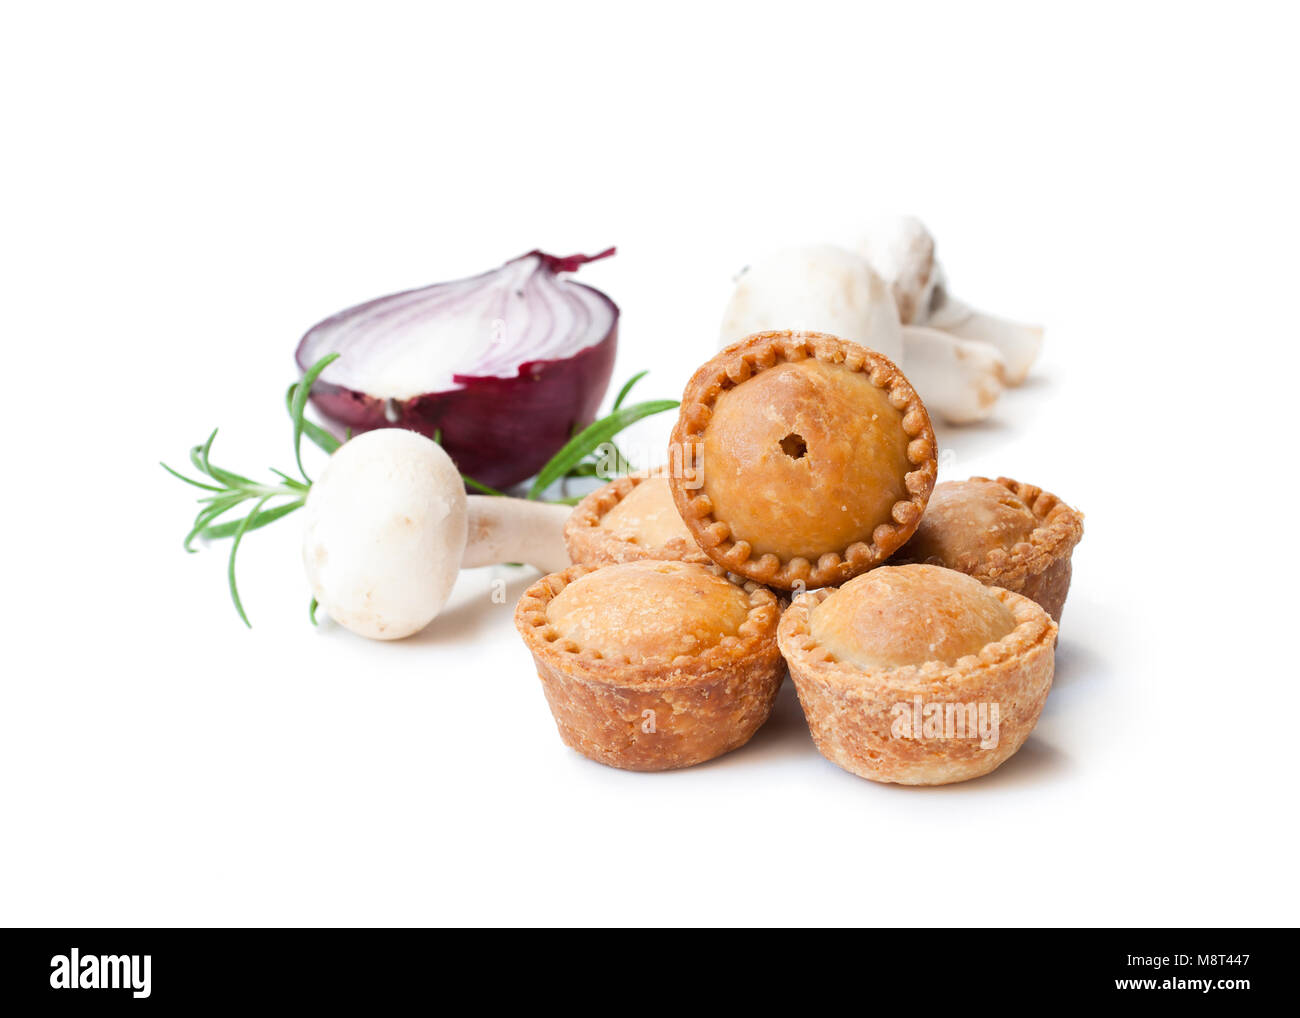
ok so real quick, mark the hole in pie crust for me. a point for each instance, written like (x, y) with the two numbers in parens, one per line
(794, 446)
(791, 506)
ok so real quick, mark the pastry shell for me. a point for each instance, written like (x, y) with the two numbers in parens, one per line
(702, 705)
(589, 543)
(1039, 567)
(851, 710)
(747, 359)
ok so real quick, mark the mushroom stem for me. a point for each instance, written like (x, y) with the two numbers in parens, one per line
(1019, 344)
(901, 249)
(516, 530)
(959, 379)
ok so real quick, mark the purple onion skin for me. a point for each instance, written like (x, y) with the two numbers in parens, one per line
(499, 431)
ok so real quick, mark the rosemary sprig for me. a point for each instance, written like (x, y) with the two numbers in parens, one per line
(481, 488)
(224, 490)
(229, 491)
(298, 407)
(585, 442)
(627, 388)
(318, 435)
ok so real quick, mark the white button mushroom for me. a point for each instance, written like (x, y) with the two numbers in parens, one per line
(823, 289)
(1019, 344)
(958, 379)
(890, 296)
(388, 526)
(827, 289)
(901, 249)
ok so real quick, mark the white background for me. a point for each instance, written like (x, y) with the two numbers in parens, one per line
(186, 191)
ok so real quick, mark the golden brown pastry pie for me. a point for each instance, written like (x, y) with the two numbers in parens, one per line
(652, 665)
(630, 518)
(917, 674)
(802, 459)
(1002, 533)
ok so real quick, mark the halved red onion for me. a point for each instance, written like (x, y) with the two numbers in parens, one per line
(505, 365)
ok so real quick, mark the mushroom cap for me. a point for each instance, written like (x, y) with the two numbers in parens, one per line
(822, 288)
(385, 532)
(901, 249)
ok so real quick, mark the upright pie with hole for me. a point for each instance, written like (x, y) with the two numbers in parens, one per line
(802, 459)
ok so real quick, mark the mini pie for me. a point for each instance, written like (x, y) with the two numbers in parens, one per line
(801, 459)
(652, 665)
(1003, 533)
(630, 518)
(898, 667)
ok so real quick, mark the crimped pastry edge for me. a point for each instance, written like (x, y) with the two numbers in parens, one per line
(591, 544)
(735, 365)
(757, 632)
(846, 706)
(1033, 627)
(1058, 529)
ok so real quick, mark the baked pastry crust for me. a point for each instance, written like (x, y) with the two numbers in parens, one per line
(851, 708)
(820, 475)
(1002, 532)
(591, 539)
(639, 706)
